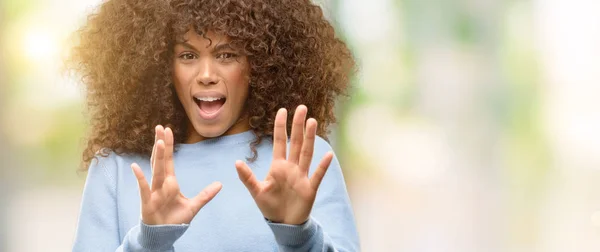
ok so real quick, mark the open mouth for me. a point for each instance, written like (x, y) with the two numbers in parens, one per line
(210, 105)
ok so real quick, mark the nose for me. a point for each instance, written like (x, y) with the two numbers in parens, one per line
(207, 74)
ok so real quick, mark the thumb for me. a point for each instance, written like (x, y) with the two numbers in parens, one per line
(206, 195)
(247, 177)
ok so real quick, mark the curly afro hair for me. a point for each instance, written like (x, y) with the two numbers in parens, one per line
(125, 53)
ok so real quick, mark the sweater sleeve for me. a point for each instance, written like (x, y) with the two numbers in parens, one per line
(331, 226)
(97, 227)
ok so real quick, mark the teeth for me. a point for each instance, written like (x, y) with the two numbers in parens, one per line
(208, 99)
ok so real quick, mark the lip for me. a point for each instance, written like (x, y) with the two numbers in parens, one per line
(208, 116)
(208, 94)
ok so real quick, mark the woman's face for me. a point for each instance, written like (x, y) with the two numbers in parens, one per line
(212, 81)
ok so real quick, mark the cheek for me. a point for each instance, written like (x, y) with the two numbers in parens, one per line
(181, 78)
(240, 80)
(239, 75)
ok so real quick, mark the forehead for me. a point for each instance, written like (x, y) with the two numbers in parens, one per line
(209, 38)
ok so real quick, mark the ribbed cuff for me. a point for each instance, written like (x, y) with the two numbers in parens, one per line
(160, 237)
(293, 235)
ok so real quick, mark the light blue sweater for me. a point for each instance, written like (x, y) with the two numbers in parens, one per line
(110, 210)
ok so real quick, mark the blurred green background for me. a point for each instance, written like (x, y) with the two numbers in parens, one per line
(473, 125)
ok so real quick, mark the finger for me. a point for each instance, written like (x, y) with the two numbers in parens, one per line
(280, 134)
(247, 177)
(308, 146)
(169, 165)
(297, 134)
(206, 195)
(159, 133)
(158, 171)
(154, 145)
(318, 175)
(142, 183)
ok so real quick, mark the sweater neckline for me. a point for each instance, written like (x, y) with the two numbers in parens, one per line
(233, 139)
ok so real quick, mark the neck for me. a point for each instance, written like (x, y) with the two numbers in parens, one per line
(242, 125)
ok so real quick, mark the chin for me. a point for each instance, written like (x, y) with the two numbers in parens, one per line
(210, 131)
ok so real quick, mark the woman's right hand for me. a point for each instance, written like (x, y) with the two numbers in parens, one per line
(163, 202)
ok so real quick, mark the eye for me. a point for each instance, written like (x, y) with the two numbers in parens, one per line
(225, 56)
(187, 56)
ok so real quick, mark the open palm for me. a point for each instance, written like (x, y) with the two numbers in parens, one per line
(163, 203)
(287, 194)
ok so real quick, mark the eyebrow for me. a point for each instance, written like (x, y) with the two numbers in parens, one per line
(218, 47)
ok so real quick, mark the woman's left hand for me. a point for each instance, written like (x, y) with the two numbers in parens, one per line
(287, 194)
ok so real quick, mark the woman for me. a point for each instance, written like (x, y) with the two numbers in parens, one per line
(221, 75)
